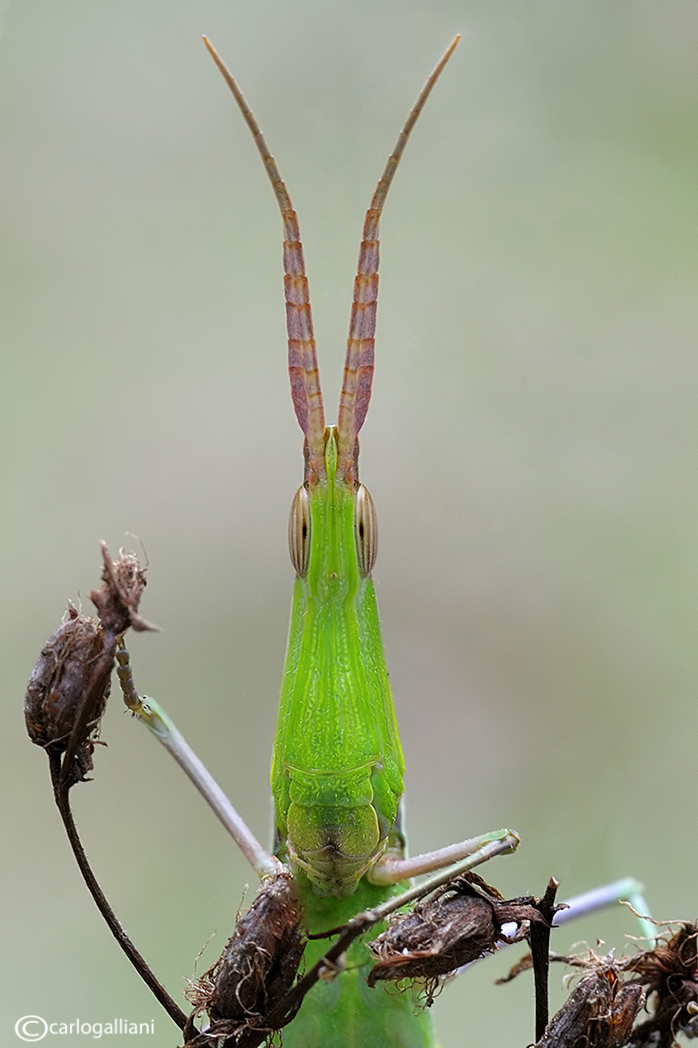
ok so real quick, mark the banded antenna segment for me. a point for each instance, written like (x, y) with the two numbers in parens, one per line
(358, 367)
(302, 357)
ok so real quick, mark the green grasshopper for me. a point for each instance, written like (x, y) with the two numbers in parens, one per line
(337, 771)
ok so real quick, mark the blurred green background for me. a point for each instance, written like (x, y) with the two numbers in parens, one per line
(531, 445)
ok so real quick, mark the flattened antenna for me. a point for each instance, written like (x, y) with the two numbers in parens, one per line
(358, 367)
(302, 357)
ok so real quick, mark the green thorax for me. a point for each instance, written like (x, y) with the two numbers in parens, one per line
(338, 766)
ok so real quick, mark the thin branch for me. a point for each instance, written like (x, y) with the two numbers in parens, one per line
(540, 947)
(61, 795)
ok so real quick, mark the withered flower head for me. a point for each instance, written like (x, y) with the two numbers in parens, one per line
(455, 925)
(669, 972)
(602, 1010)
(69, 666)
(259, 964)
(599, 1013)
(69, 686)
(123, 582)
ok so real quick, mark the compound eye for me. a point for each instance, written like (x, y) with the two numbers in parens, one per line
(365, 530)
(299, 532)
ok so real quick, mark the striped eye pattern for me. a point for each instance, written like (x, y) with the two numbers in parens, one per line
(299, 532)
(365, 530)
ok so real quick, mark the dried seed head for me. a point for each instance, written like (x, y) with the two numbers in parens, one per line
(68, 667)
(70, 683)
(670, 974)
(599, 1013)
(123, 582)
(435, 939)
(454, 926)
(603, 1008)
(259, 963)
